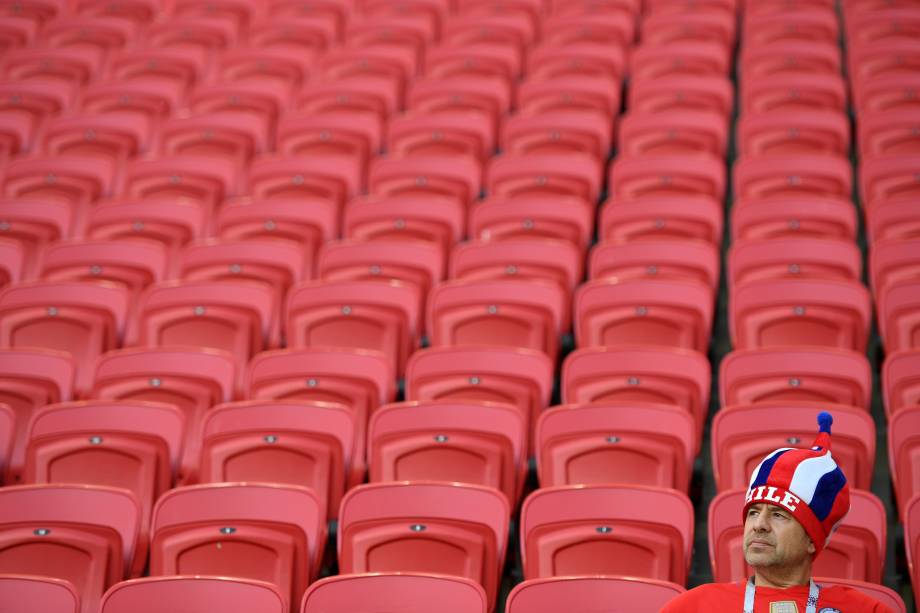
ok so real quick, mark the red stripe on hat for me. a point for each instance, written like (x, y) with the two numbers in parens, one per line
(784, 467)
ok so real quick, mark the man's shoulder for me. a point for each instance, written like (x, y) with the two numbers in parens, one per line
(852, 597)
(709, 594)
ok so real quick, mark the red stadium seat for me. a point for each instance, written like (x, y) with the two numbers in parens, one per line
(893, 261)
(555, 261)
(778, 6)
(509, 28)
(899, 380)
(666, 27)
(425, 527)
(264, 100)
(557, 133)
(441, 134)
(330, 133)
(887, 93)
(34, 102)
(199, 33)
(793, 374)
(793, 177)
(785, 58)
(898, 309)
(150, 97)
(22, 592)
(280, 441)
(38, 11)
(171, 223)
(793, 258)
(880, 23)
(782, 217)
(434, 11)
(614, 30)
(366, 315)
(376, 98)
(114, 136)
(679, 59)
(407, 33)
(131, 264)
(223, 315)
(337, 12)
(509, 313)
(438, 220)
(883, 58)
(639, 374)
(309, 31)
(76, 180)
(886, 133)
(574, 94)
(686, 7)
(743, 434)
(607, 530)
(544, 175)
(12, 260)
(7, 437)
(857, 550)
(334, 178)
(490, 96)
(673, 132)
(266, 531)
(801, 25)
(459, 178)
(239, 12)
(33, 224)
(538, 219)
(16, 32)
(911, 520)
(628, 7)
(131, 445)
(181, 68)
(230, 136)
(103, 34)
(645, 312)
(82, 534)
(793, 92)
(82, 319)
(615, 442)
(406, 592)
(794, 133)
(140, 11)
(662, 217)
(230, 595)
(903, 450)
(75, 67)
(477, 60)
(390, 63)
(682, 93)
(894, 220)
(460, 442)
(197, 179)
(888, 177)
(772, 313)
(881, 593)
(518, 377)
(591, 59)
(689, 260)
(667, 175)
(580, 594)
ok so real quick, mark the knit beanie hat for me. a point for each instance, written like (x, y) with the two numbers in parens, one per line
(805, 482)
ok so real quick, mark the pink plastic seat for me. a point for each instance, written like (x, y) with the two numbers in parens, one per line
(489, 96)
(679, 93)
(441, 134)
(375, 98)
(886, 133)
(22, 592)
(475, 60)
(588, 59)
(662, 217)
(366, 315)
(333, 178)
(459, 178)
(425, 527)
(793, 176)
(667, 175)
(222, 315)
(115, 136)
(526, 314)
(149, 98)
(538, 219)
(70, 66)
(130, 264)
(888, 177)
(639, 374)
(261, 99)
(330, 133)
(460, 442)
(588, 530)
(808, 57)
(887, 93)
(793, 258)
(182, 68)
(34, 103)
(793, 92)
(199, 33)
(408, 33)
(903, 450)
(881, 593)
(34, 224)
(802, 25)
(238, 12)
(337, 12)
(900, 383)
(230, 136)
(518, 377)
(198, 179)
(743, 434)
(770, 7)
(781, 217)
(573, 94)
(7, 437)
(544, 175)
(772, 313)
(685, 7)
(554, 261)
(510, 28)
(894, 220)
(646, 312)
(142, 11)
(130, 445)
(893, 261)
(280, 441)
(75, 180)
(911, 520)
(779, 374)
(391, 63)
(407, 592)
(580, 594)
(898, 308)
(673, 132)
(679, 59)
(38, 11)
(667, 27)
(803, 132)
(266, 531)
(82, 319)
(433, 12)
(171, 223)
(880, 23)
(615, 30)
(557, 133)
(231, 595)
(616, 442)
(12, 260)
(656, 259)
(890, 57)
(82, 534)
(857, 551)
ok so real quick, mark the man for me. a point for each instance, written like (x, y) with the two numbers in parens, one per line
(795, 501)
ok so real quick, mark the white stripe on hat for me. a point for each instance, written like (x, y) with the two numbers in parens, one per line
(808, 473)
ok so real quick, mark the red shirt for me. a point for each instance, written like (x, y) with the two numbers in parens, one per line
(729, 598)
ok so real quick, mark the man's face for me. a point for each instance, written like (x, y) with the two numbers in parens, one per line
(774, 538)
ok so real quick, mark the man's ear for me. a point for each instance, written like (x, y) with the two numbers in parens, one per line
(811, 547)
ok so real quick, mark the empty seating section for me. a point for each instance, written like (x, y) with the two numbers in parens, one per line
(431, 269)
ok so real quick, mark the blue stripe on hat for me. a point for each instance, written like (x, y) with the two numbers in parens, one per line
(765, 467)
(826, 493)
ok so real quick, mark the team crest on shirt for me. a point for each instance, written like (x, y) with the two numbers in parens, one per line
(784, 606)
(829, 610)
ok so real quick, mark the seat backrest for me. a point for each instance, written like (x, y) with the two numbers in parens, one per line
(823, 131)
(680, 92)
(911, 520)
(231, 595)
(405, 592)
(555, 261)
(25, 592)
(587, 530)
(743, 434)
(519, 176)
(667, 175)
(670, 132)
(789, 258)
(280, 441)
(792, 176)
(903, 453)
(856, 551)
(898, 307)
(615, 442)
(539, 218)
(833, 218)
(459, 178)
(7, 434)
(775, 374)
(676, 259)
(648, 218)
(900, 382)
(133, 264)
(582, 594)
(459, 442)
(891, 261)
